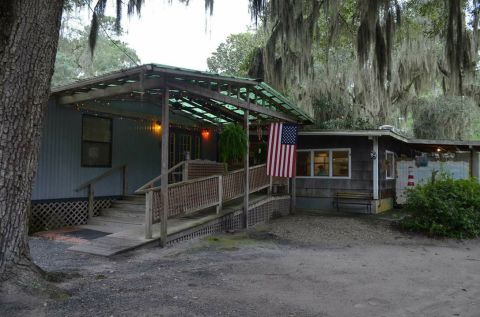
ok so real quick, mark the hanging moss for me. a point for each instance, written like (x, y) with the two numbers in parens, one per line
(444, 117)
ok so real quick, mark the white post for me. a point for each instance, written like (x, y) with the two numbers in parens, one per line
(220, 194)
(294, 192)
(148, 214)
(246, 165)
(164, 177)
(375, 155)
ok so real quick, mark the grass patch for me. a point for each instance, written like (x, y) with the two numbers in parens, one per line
(230, 242)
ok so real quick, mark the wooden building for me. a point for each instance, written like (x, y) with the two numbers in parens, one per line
(368, 171)
(120, 140)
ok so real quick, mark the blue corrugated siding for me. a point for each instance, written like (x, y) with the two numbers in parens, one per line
(60, 171)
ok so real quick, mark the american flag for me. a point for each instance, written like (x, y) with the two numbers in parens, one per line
(282, 146)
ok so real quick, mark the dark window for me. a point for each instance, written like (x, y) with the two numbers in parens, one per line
(303, 164)
(96, 141)
(390, 164)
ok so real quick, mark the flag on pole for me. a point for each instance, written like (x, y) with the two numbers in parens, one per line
(282, 146)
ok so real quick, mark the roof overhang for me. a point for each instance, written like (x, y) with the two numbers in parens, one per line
(394, 135)
(200, 96)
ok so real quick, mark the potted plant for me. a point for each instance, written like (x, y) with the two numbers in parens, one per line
(232, 145)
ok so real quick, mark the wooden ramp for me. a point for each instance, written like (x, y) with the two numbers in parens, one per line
(261, 207)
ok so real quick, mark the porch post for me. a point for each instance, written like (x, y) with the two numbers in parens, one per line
(246, 166)
(293, 191)
(91, 202)
(375, 168)
(164, 170)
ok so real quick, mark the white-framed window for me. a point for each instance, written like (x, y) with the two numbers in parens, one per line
(389, 165)
(324, 163)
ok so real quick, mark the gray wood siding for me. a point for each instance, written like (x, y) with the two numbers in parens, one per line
(60, 171)
(361, 166)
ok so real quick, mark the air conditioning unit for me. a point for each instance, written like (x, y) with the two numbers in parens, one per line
(386, 127)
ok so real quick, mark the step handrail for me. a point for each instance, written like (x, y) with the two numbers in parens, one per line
(144, 188)
(91, 186)
(101, 176)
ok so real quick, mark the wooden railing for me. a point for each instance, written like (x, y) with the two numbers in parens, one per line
(197, 194)
(151, 183)
(234, 182)
(186, 170)
(91, 186)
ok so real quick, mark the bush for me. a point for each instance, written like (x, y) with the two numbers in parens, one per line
(445, 207)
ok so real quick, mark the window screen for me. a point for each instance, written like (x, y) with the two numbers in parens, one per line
(96, 141)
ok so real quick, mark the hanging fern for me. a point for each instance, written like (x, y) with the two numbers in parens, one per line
(232, 144)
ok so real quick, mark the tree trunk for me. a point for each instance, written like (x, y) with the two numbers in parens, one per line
(28, 43)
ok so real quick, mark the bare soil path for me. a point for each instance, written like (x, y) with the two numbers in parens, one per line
(301, 265)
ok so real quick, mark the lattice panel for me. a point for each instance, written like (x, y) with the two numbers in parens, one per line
(57, 214)
(219, 225)
(258, 214)
(281, 207)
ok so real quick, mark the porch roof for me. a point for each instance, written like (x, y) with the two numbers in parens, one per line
(197, 96)
(421, 143)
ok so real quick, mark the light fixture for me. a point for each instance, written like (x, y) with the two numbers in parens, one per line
(156, 128)
(205, 134)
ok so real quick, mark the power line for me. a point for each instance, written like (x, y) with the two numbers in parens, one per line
(112, 40)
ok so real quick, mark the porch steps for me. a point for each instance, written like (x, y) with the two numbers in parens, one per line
(134, 236)
(124, 213)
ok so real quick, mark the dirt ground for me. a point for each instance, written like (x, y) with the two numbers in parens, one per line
(301, 265)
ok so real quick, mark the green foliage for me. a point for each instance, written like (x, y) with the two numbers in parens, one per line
(232, 56)
(74, 60)
(445, 207)
(347, 123)
(337, 115)
(232, 144)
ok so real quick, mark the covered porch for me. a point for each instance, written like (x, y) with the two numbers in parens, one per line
(178, 201)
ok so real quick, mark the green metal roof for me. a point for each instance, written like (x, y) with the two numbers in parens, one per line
(213, 98)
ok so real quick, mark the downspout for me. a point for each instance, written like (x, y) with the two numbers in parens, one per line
(375, 155)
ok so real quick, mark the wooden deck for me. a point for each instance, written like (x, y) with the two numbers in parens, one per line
(133, 235)
(195, 207)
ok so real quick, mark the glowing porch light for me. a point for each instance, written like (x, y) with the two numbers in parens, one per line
(156, 128)
(205, 134)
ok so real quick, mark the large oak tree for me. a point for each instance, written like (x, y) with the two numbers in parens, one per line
(28, 43)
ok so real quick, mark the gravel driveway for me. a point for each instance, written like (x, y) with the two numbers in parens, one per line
(301, 265)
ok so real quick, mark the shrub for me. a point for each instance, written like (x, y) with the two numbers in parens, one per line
(445, 207)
